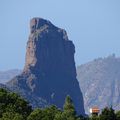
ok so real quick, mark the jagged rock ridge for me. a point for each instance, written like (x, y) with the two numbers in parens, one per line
(49, 71)
(99, 81)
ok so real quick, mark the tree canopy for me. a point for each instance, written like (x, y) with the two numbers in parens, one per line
(14, 107)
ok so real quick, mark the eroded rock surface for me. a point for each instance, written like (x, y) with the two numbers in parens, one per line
(49, 71)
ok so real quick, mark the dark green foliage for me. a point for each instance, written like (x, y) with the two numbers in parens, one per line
(37, 114)
(118, 115)
(82, 118)
(53, 113)
(12, 103)
(94, 118)
(49, 113)
(11, 116)
(69, 110)
(108, 114)
(59, 116)
(13, 107)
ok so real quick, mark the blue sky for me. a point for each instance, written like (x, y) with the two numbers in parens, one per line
(93, 26)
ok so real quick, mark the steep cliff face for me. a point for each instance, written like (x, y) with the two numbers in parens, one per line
(49, 71)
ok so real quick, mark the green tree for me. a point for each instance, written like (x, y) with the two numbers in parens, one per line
(83, 117)
(69, 110)
(37, 114)
(118, 115)
(94, 117)
(11, 116)
(3, 101)
(59, 116)
(13, 103)
(50, 112)
(108, 114)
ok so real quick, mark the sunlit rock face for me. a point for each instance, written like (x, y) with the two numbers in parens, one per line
(49, 72)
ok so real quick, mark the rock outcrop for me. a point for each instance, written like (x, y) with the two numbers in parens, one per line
(49, 72)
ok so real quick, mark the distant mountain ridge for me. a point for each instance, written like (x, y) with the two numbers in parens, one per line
(5, 76)
(100, 82)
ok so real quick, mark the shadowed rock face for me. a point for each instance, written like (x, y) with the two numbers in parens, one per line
(49, 70)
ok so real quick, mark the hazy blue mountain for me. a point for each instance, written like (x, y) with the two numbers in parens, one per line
(5, 76)
(100, 82)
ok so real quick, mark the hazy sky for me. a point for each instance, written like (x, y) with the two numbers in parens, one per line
(93, 26)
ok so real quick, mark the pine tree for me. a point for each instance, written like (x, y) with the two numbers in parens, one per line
(108, 114)
(69, 110)
(37, 114)
(118, 115)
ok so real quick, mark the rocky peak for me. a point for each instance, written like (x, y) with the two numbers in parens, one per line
(42, 31)
(39, 25)
(49, 70)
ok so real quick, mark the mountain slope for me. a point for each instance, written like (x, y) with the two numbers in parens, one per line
(5, 76)
(99, 81)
